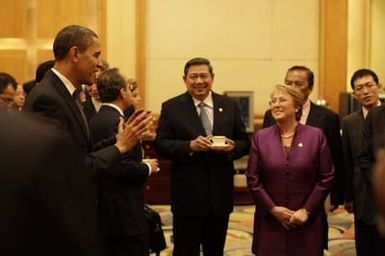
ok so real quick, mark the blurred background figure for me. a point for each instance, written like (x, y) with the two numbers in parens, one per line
(93, 89)
(46, 206)
(19, 97)
(133, 85)
(8, 87)
(379, 188)
(41, 70)
(136, 99)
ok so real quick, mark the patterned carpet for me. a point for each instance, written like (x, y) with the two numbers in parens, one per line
(239, 236)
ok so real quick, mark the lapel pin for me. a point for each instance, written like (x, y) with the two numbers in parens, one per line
(220, 109)
(300, 145)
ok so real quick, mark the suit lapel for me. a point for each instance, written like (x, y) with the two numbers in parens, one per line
(70, 102)
(188, 108)
(314, 116)
(218, 110)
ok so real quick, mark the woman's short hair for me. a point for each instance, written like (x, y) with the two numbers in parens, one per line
(295, 94)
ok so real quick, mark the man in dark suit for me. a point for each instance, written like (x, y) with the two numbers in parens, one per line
(201, 174)
(46, 208)
(325, 119)
(121, 200)
(77, 51)
(363, 136)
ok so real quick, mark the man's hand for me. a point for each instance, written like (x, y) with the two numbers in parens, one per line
(133, 130)
(230, 144)
(200, 144)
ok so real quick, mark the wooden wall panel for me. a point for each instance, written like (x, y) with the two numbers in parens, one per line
(14, 62)
(44, 55)
(57, 14)
(13, 18)
(333, 50)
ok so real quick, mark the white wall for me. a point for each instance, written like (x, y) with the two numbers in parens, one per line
(251, 43)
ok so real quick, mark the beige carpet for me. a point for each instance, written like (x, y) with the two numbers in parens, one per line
(239, 235)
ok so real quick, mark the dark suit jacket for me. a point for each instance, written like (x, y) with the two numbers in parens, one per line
(200, 182)
(356, 187)
(52, 102)
(374, 138)
(329, 123)
(46, 208)
(121, 200)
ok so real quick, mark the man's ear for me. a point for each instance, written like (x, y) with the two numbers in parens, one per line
(74, 53)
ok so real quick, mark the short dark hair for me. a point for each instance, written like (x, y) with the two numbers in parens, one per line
(6, 80)
(73, 35)
(361, 73)
(309, 74)
(198, 61)
(109, 84)
(42, 69)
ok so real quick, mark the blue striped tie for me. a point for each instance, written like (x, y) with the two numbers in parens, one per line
(205, 118)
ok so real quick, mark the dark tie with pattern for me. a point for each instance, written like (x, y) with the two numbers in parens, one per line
(76, 95)
(205, 118)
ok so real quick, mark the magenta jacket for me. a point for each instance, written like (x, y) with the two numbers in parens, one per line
(300, 181)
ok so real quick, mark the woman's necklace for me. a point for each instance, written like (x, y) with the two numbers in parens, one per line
(287, 136)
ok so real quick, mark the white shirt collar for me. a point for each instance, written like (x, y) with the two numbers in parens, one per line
(208, 101)
(365, 110)
(115, 107)
(67, 83)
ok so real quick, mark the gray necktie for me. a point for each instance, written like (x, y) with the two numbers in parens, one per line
(205, 118)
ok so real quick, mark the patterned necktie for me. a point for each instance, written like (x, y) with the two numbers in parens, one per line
(205, 118)
(76, 95)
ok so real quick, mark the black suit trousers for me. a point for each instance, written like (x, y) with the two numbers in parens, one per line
(191, 232)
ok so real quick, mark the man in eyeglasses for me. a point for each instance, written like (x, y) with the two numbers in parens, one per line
(360, 129)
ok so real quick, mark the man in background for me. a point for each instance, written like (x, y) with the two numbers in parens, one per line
(8, 87)
(201, 173)
(358, 192)
(325, 119)
(121, 199)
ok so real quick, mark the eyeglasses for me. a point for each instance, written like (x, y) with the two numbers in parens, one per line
(360, 87)
(278, 101)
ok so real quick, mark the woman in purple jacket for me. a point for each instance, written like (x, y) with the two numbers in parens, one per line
(289, 174)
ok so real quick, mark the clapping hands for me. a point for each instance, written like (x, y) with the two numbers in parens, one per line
(130, 132)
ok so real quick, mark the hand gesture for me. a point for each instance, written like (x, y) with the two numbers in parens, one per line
(133, 130)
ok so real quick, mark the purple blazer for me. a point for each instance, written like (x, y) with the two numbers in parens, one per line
(300, 181)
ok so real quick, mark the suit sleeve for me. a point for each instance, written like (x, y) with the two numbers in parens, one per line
(335, 144)
(242, 141)
(253, 175)
(50, 110)
(348, 161)
(167, 144)
(325, 177)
